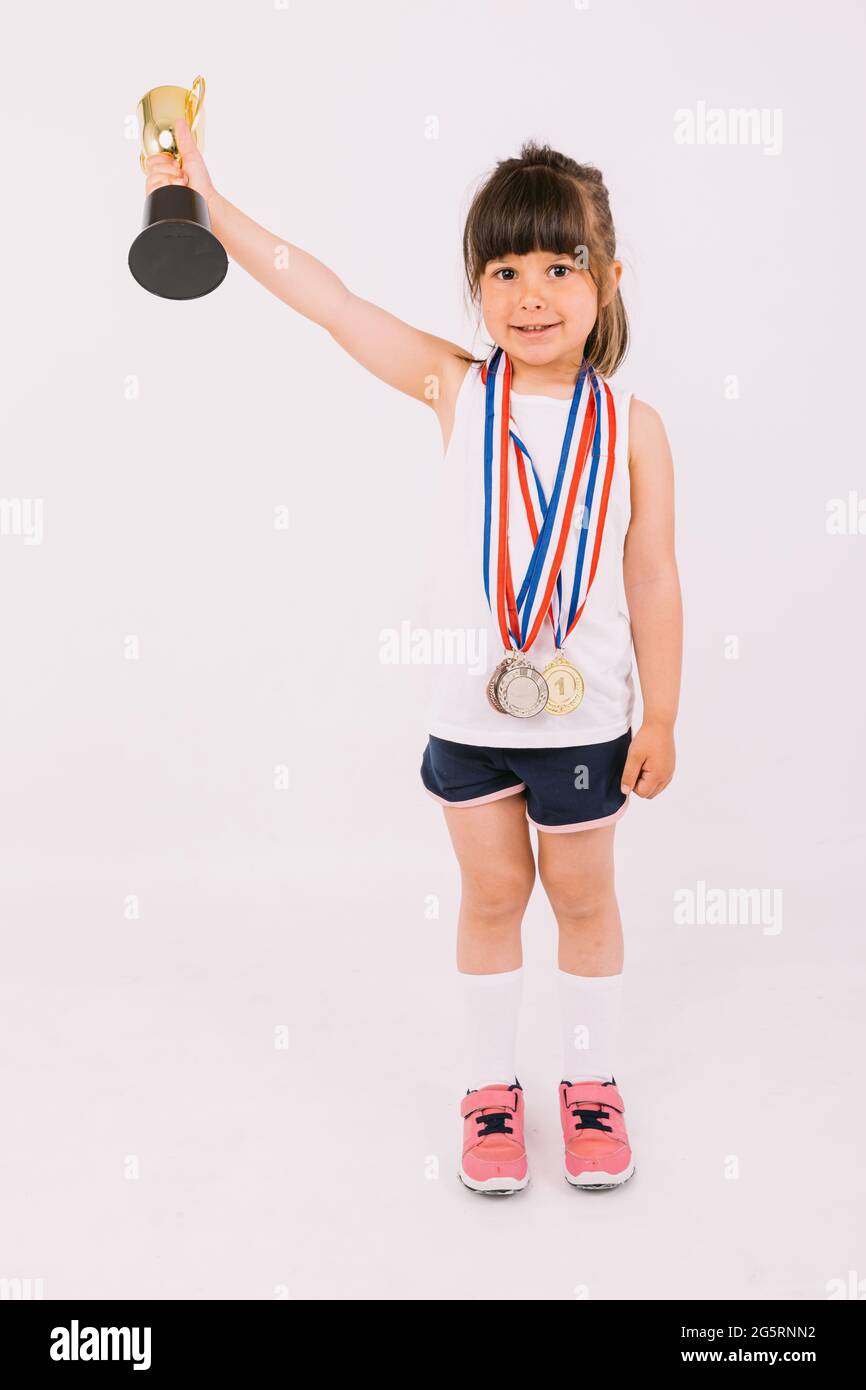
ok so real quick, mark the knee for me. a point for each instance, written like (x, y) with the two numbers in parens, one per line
(498, 895)
(578, 901)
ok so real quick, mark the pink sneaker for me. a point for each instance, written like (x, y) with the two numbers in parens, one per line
(494, 1156)
(597, 1153)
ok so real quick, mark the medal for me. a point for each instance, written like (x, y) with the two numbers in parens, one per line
(565, 684)
(521, 690)
(491, 684)
(516, 687)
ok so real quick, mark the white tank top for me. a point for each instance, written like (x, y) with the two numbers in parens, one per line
(466, 643)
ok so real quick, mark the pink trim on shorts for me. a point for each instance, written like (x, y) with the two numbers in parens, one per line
(477, 800)
(583, 824)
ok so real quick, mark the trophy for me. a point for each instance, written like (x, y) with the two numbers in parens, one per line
(175, 255)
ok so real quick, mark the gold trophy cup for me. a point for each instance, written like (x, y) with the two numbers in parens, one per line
(175, 255)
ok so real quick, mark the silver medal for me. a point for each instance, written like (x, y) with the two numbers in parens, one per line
(520, 689)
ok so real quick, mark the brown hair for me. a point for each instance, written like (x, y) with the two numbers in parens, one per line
(545, 201)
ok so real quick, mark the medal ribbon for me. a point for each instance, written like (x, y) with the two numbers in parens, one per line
(549, 545)
(535, 504)
(549, 523)
(592, 528)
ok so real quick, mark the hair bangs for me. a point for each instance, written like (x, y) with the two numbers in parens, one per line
(535, 210)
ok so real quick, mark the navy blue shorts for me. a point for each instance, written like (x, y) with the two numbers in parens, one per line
(574, 788)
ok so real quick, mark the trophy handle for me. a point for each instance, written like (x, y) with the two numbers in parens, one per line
(194, 103)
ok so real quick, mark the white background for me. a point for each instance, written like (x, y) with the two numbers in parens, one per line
(147, 1046)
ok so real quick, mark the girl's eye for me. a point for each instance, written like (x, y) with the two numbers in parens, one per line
(509, 270)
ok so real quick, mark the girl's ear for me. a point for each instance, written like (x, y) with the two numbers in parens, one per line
(614, 276)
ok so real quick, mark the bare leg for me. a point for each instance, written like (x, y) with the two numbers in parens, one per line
(497, 871)
(576, 869)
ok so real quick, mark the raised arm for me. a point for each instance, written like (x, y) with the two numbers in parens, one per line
(414, 362)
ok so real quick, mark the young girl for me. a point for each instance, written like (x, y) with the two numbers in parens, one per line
(557, 548)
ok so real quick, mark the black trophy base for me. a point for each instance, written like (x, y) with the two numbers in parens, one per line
(176, 255)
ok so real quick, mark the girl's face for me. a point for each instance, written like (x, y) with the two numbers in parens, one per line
(543, 288)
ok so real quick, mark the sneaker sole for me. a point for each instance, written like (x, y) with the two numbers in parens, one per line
(494, 1187)
(598, 1181)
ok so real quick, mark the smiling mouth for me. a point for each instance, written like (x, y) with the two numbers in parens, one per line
(531, 330)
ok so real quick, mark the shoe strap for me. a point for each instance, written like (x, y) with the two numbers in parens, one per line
(488, 1100)
(594, 1092)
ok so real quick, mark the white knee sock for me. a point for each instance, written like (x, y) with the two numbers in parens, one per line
(491, 1004)
(591, 1007)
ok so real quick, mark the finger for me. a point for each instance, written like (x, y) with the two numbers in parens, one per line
(185, 142)
(153, 184)
(156, 162)
(168, 175)
(653, 788)
(644, 784)
(631, 772)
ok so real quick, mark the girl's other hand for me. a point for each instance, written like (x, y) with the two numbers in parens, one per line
(191, 172)
(651, 760)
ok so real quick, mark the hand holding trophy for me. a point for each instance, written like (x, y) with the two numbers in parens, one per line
(176, 255)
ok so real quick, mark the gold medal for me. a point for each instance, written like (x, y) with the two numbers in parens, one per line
(565, 684)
